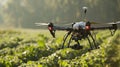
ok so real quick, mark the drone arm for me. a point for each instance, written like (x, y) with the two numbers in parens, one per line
(62, 28)
(114, 27)
(101, 28)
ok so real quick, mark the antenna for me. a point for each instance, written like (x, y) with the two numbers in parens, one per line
(85, 11)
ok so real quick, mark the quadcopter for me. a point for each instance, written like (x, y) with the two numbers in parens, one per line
(78, 31)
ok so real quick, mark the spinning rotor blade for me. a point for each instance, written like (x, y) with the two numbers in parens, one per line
(113, 26)
(118, 22)
(41, 24)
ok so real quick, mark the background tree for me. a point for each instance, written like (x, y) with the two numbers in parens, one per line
(24, 13)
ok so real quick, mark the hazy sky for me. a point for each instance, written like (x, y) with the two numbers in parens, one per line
(3, 2)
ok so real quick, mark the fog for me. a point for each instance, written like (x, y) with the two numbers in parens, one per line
(25, 13)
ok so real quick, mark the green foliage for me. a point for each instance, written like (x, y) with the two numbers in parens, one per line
(36, 50)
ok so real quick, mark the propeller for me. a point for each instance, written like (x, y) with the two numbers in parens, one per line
(50, 27)
(42, 24)
(118, 22)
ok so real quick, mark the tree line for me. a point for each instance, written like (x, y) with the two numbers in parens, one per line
(24, 13)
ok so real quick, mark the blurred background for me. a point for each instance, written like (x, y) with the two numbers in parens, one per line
(24, 13)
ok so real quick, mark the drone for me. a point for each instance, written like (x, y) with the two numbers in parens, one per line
(78, 31)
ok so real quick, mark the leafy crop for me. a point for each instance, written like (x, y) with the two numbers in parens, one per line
(34, 49)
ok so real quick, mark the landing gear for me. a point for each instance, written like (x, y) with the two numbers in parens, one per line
(79, 36)
(76, 46)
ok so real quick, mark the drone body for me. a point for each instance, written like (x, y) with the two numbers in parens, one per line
(78, 31)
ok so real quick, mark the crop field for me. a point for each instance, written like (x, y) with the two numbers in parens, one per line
(37, 48)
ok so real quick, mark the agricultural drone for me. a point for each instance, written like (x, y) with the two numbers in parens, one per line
(78, 31)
